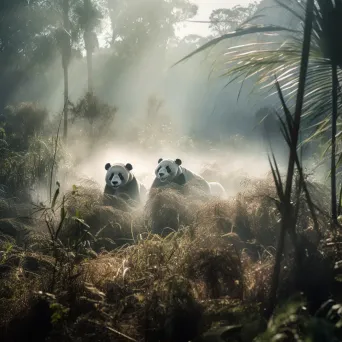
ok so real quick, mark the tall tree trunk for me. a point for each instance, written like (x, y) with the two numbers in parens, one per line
(66, 52)
(333, 143)
(88, 42)
(113, 15)
(287, 210)
(66, 102)
(90, 70)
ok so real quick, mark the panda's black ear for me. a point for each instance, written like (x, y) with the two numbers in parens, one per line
(178, 162)
(129, 167)
(160, 160)
(107, 166)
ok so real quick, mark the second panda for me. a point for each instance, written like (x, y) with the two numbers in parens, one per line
(170, 171)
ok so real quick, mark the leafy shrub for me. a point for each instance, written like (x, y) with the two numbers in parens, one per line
(97, 116)
(22, 172)
(22, 122)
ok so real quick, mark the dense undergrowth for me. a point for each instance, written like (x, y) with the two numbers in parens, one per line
(182, 267)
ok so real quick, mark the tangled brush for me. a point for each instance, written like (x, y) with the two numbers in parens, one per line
(170, 208)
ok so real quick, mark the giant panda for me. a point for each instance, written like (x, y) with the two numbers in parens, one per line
(120, 181)
(170, 171)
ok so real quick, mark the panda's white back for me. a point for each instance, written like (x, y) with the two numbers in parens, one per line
(189, 175)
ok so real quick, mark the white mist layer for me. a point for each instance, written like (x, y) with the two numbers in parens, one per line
(232, 164)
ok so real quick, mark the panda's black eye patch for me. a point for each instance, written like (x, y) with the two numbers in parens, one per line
(111, 176)
(158, 168)
(168, 169)
(121, 176)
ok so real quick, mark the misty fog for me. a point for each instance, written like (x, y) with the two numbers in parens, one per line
(196, 102)
(157, 185)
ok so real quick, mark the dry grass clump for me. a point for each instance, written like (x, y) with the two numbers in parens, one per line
(15, 294)
(217, 260)
(14, 219)
(83, 198)
(215, 216)
(21, 273)
(145, 282)
(254, 214)
(168, 209)
(258, 201)
(219, 272)
(258, 278)
(154, 261)
(249, 218)
(88, 219)
(106, 226)
(257, 218)
(237, 224)
(166, 279)
(89, 194)
(14, 228)
(119, 226)
(140, 265)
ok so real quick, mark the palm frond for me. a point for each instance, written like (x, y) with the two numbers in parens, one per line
(238, 33)
(297, 8)
(266, 59)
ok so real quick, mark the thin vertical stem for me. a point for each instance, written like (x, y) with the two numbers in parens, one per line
(339, 202)
(65, 62)
(90, 70)
(333, 143)
(287, 213)
(88, 42)
(66, 101)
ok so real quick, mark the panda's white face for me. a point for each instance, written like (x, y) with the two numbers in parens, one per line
(118, 174)
(167, 169)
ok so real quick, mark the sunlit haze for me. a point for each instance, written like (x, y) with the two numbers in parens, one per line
(168, 169)
(205, 7)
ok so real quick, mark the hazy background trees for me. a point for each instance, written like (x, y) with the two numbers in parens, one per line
(226, 20)
(122, 52)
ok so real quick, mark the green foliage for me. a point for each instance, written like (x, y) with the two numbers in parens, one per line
(97, 115)
(31, 35)
(21, 31)
(137, 25)
(197, 275)
(292, 322)
(26, 43)
(28, 157)
(91, 109)
(7, 250)
(192, 270)
(266, 58)
(22, 122)
(88, 14)
(285, 322)
(239, 33)
(59, 312)
(224, 20)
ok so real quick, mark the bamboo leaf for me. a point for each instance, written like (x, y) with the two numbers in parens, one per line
(55, 196)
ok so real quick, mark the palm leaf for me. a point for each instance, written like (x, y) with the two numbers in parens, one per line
(269, 58)
(237, 33)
